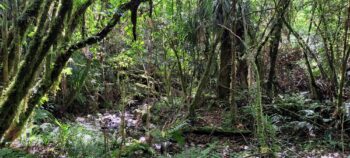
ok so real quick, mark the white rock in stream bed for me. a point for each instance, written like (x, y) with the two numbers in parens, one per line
(157, 146)
(245, 147)
(80, 119)
(110, 121)
(107, 121)
(142, 139)
(131, 123)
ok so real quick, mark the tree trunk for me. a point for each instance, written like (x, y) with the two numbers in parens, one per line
(225, 68)
(38, 50)
(274, 44)
(17, 92)
(233, 107)
(315, 91)
(346, 54)
(4, 34)
(203, 82)
(242, 65)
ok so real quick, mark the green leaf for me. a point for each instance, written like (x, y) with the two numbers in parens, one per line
(179, 137)
(67, 71)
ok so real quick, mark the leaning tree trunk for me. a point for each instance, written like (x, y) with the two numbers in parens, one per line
(315, 90)
(4, 53)
(274, 44)
(203, 82)
(15, 35)
(39, 47)
(16, 94)
(5, 41)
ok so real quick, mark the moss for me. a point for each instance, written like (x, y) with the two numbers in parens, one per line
(31, 12)
(20, 87)
(78, 14)
(203, 82)
(23, 81)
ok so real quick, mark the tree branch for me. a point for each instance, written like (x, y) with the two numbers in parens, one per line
(44, 86)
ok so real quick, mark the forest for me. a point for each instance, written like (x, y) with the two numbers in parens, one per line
(174, 78)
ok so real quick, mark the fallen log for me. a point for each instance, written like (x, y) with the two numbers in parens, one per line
(216, 131)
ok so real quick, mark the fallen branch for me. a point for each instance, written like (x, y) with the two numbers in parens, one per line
(216, 131)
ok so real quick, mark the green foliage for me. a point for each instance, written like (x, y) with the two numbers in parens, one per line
(67, 71)
(174, 132)
(79, 2)
(135, 146)
(227, 123)
(290, 101)
(196, 152)
(43, 100)
(122, 61)
(82, 142)
(41, 115)
(174, 41)
(330, 141)
(75, 140)
(77, 76)
(2, 6)
(169, 103)
(11, 153)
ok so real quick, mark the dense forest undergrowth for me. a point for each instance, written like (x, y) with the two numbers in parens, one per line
(176, 78)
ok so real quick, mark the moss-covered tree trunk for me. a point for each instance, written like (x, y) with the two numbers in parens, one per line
(10, 46)
(233, 105)
(203, 82)
(39, 47)
(11, 102)
(4, 60)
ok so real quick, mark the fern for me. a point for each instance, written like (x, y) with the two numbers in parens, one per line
(175, 133)
(208, 150)
(177, 127)
(196, 152)
(11, 153)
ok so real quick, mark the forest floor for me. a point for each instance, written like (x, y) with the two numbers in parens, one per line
(299, 135)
